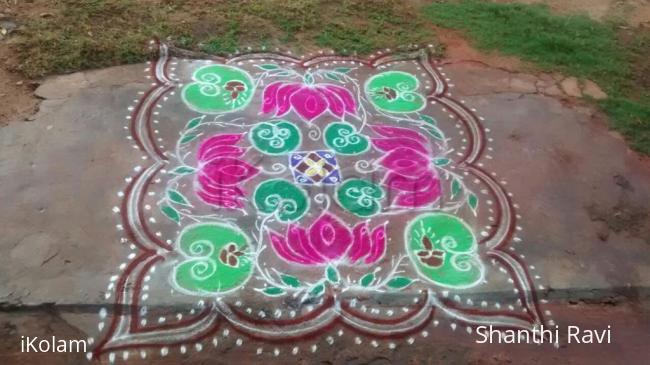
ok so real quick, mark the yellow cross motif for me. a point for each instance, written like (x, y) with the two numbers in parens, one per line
(315, 168)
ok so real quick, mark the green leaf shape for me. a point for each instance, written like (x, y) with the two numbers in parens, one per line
(189, 138)
(171, 213)
(282, 198)
(399, 282)
(360, 197)
(317, 290)
(367, 279)
(273, 291)
(289, 280)
(178, 198)
(472, 200)
(268, 66)
(332, 76)
(395, 92)
(332, 274)
(193, 123)
(429, 119)
(456, 188)
(441, 161)
(444, 250)
(308, 78)
(436, 133)
(217, 258)
(184, 170)
(275, 137)
(218, 89)
(343, 138)
(342, 70)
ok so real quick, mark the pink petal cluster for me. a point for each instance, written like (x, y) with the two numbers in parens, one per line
(329, 240)
(411, 177)
(309, 101)
(221, 170)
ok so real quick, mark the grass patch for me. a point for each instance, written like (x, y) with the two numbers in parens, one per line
(97, 33)
(571, 44)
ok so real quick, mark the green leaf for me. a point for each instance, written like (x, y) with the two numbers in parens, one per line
(317, 290)
(292, 281)
(171, 213)
(184, 170)
(178, 198)
(268, 66)
(308, 79)
(399, 282)
(282, 73)
(367, 279)
(456, 188)
(332, 274)
(428, 119)
(332, 76)
(193, 123)
(441, 161)
(436, 133)
(189, 138)
(472, 200)
(273, 291)
(343, 70)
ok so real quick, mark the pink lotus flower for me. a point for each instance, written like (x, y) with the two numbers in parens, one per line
(308, 100)
(329, 240)
(220, 171)
(411, 175)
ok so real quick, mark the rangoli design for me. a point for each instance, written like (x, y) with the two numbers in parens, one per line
(284, 199)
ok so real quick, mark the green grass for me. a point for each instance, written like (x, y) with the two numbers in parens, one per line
(571, 44)
(84, 34)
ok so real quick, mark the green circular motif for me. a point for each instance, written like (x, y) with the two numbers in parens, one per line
(217, 259)
(343, 138)
(360, 197)
(395, 92)
(281, 198)
(275, 138)
(443, 249)
(218, 89)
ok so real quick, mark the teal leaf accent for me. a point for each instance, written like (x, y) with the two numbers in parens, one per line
(189, 138)
(456, 188)
(367, 279)
(343, 70)
(184, 170)
(178, 198)
(272, 291)
(428, 119)
(193, 123)
(292, 281)
(332, 76)
(472, 200)
(268, 66)
(171, 213)
(399, 282)
(332, 274)
(317, 290)
(441, 161)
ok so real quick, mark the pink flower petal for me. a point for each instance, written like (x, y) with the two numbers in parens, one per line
(270, 97)
(391, 131)
(389, 144)
(425, 196)
(396, 181)
(335, 105)
(283, 98)
(208, 145)
(361, 243)
(207, 186)
(221, 151)
(378, 245)
(298, 242)
(345, 96)
(279, 244)
(228, 171)
(308, 103)
(329, 237)
(406, 161)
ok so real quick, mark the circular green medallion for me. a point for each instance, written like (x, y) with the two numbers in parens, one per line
(360, 197)
(216, 259)
(395, 92)
(443, 249)
(275, 137)
(218, 89)
(343, 138)
(281, 198)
